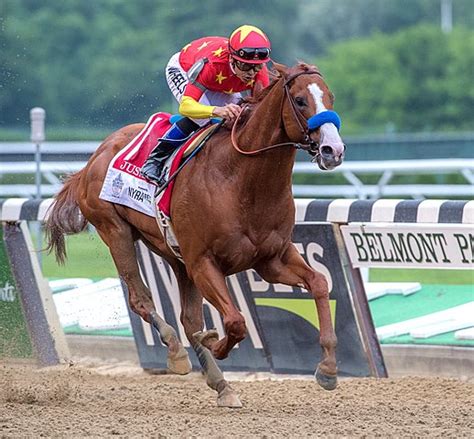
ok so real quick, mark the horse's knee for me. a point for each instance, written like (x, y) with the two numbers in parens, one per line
(318, 285)
(328, 341)
(140, 311)
(139, 306)
(235, 327)
(133, 303)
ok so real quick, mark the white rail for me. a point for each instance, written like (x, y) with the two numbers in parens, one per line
(386, 170)
(351, 171)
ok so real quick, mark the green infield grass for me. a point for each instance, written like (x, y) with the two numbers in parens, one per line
(423, 276)
(88, 257)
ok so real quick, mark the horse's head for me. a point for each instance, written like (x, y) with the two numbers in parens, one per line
(308, 114)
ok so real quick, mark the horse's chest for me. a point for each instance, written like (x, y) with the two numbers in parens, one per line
(241, 252)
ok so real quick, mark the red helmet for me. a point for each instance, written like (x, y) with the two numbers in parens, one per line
(249, 45)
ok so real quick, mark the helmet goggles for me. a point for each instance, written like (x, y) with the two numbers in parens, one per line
(252, 54)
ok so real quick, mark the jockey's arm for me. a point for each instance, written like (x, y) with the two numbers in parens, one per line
(190, 107)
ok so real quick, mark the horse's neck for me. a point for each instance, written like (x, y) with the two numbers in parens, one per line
(265, 178)
(264, 127)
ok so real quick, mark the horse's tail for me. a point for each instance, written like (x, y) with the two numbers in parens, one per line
(64, 217)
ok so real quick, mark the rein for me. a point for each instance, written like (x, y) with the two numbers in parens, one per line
(297, 115)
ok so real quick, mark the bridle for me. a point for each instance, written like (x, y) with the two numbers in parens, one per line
(308, 144)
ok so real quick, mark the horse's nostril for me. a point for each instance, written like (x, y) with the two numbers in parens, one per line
(326, 150)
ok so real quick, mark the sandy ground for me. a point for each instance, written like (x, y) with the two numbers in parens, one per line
(99, 400)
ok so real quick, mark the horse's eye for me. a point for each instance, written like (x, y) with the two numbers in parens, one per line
(301, 102)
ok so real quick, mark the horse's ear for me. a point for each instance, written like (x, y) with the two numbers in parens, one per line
(280, 70)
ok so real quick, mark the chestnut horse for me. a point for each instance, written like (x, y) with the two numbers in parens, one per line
(232, 210)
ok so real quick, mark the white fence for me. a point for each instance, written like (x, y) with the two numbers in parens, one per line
(386, 170)
(58, 159)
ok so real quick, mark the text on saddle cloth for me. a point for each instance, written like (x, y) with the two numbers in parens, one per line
(124, 183)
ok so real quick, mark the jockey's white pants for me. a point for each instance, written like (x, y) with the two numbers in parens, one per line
(177, 80)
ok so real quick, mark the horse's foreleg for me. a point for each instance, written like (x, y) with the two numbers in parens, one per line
(292, 270)
(211, 283)
(118, 237)
(193, 322)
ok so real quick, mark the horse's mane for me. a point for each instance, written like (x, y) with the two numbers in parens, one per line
(278, 73)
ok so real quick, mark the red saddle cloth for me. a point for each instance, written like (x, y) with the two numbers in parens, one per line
(131, 158)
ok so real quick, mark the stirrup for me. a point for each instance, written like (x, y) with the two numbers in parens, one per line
(159, 181)
(152, 176)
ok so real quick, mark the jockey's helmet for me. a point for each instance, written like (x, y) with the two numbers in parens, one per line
(249, 45)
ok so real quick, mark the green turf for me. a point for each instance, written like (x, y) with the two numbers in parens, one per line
(430, 299)
(126, 332)
(88, 257)
(423, 276)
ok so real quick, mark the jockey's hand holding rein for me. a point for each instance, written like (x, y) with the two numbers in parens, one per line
(230, 112)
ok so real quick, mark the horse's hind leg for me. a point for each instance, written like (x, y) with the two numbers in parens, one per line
(292, 270)
(117, 234)
(193, 322)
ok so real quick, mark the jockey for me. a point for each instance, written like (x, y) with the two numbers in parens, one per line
(208, 77)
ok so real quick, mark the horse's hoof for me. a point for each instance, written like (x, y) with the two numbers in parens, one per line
(206, 338)
(180, 366)
(327, 382)
(228, 398)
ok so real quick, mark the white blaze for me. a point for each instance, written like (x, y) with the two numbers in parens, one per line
(317, 94)
(329, 133)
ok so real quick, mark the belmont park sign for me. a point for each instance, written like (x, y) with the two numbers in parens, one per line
(410, 245)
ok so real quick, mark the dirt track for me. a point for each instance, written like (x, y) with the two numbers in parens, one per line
(84, 401)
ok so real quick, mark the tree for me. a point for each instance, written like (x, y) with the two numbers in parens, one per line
(368, 82)
(325, 22)
(101, 63)
(417, 79)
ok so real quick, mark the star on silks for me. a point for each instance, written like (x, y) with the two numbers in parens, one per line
(250, 83)
(229, 92)
(246, 29)
(218, 52)
(186, 47)
(203, 45)
(220, 78)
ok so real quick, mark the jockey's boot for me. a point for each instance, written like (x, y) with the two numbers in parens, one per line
(173, 138)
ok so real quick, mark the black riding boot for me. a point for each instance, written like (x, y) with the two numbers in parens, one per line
(154, 164)
(174, 137)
